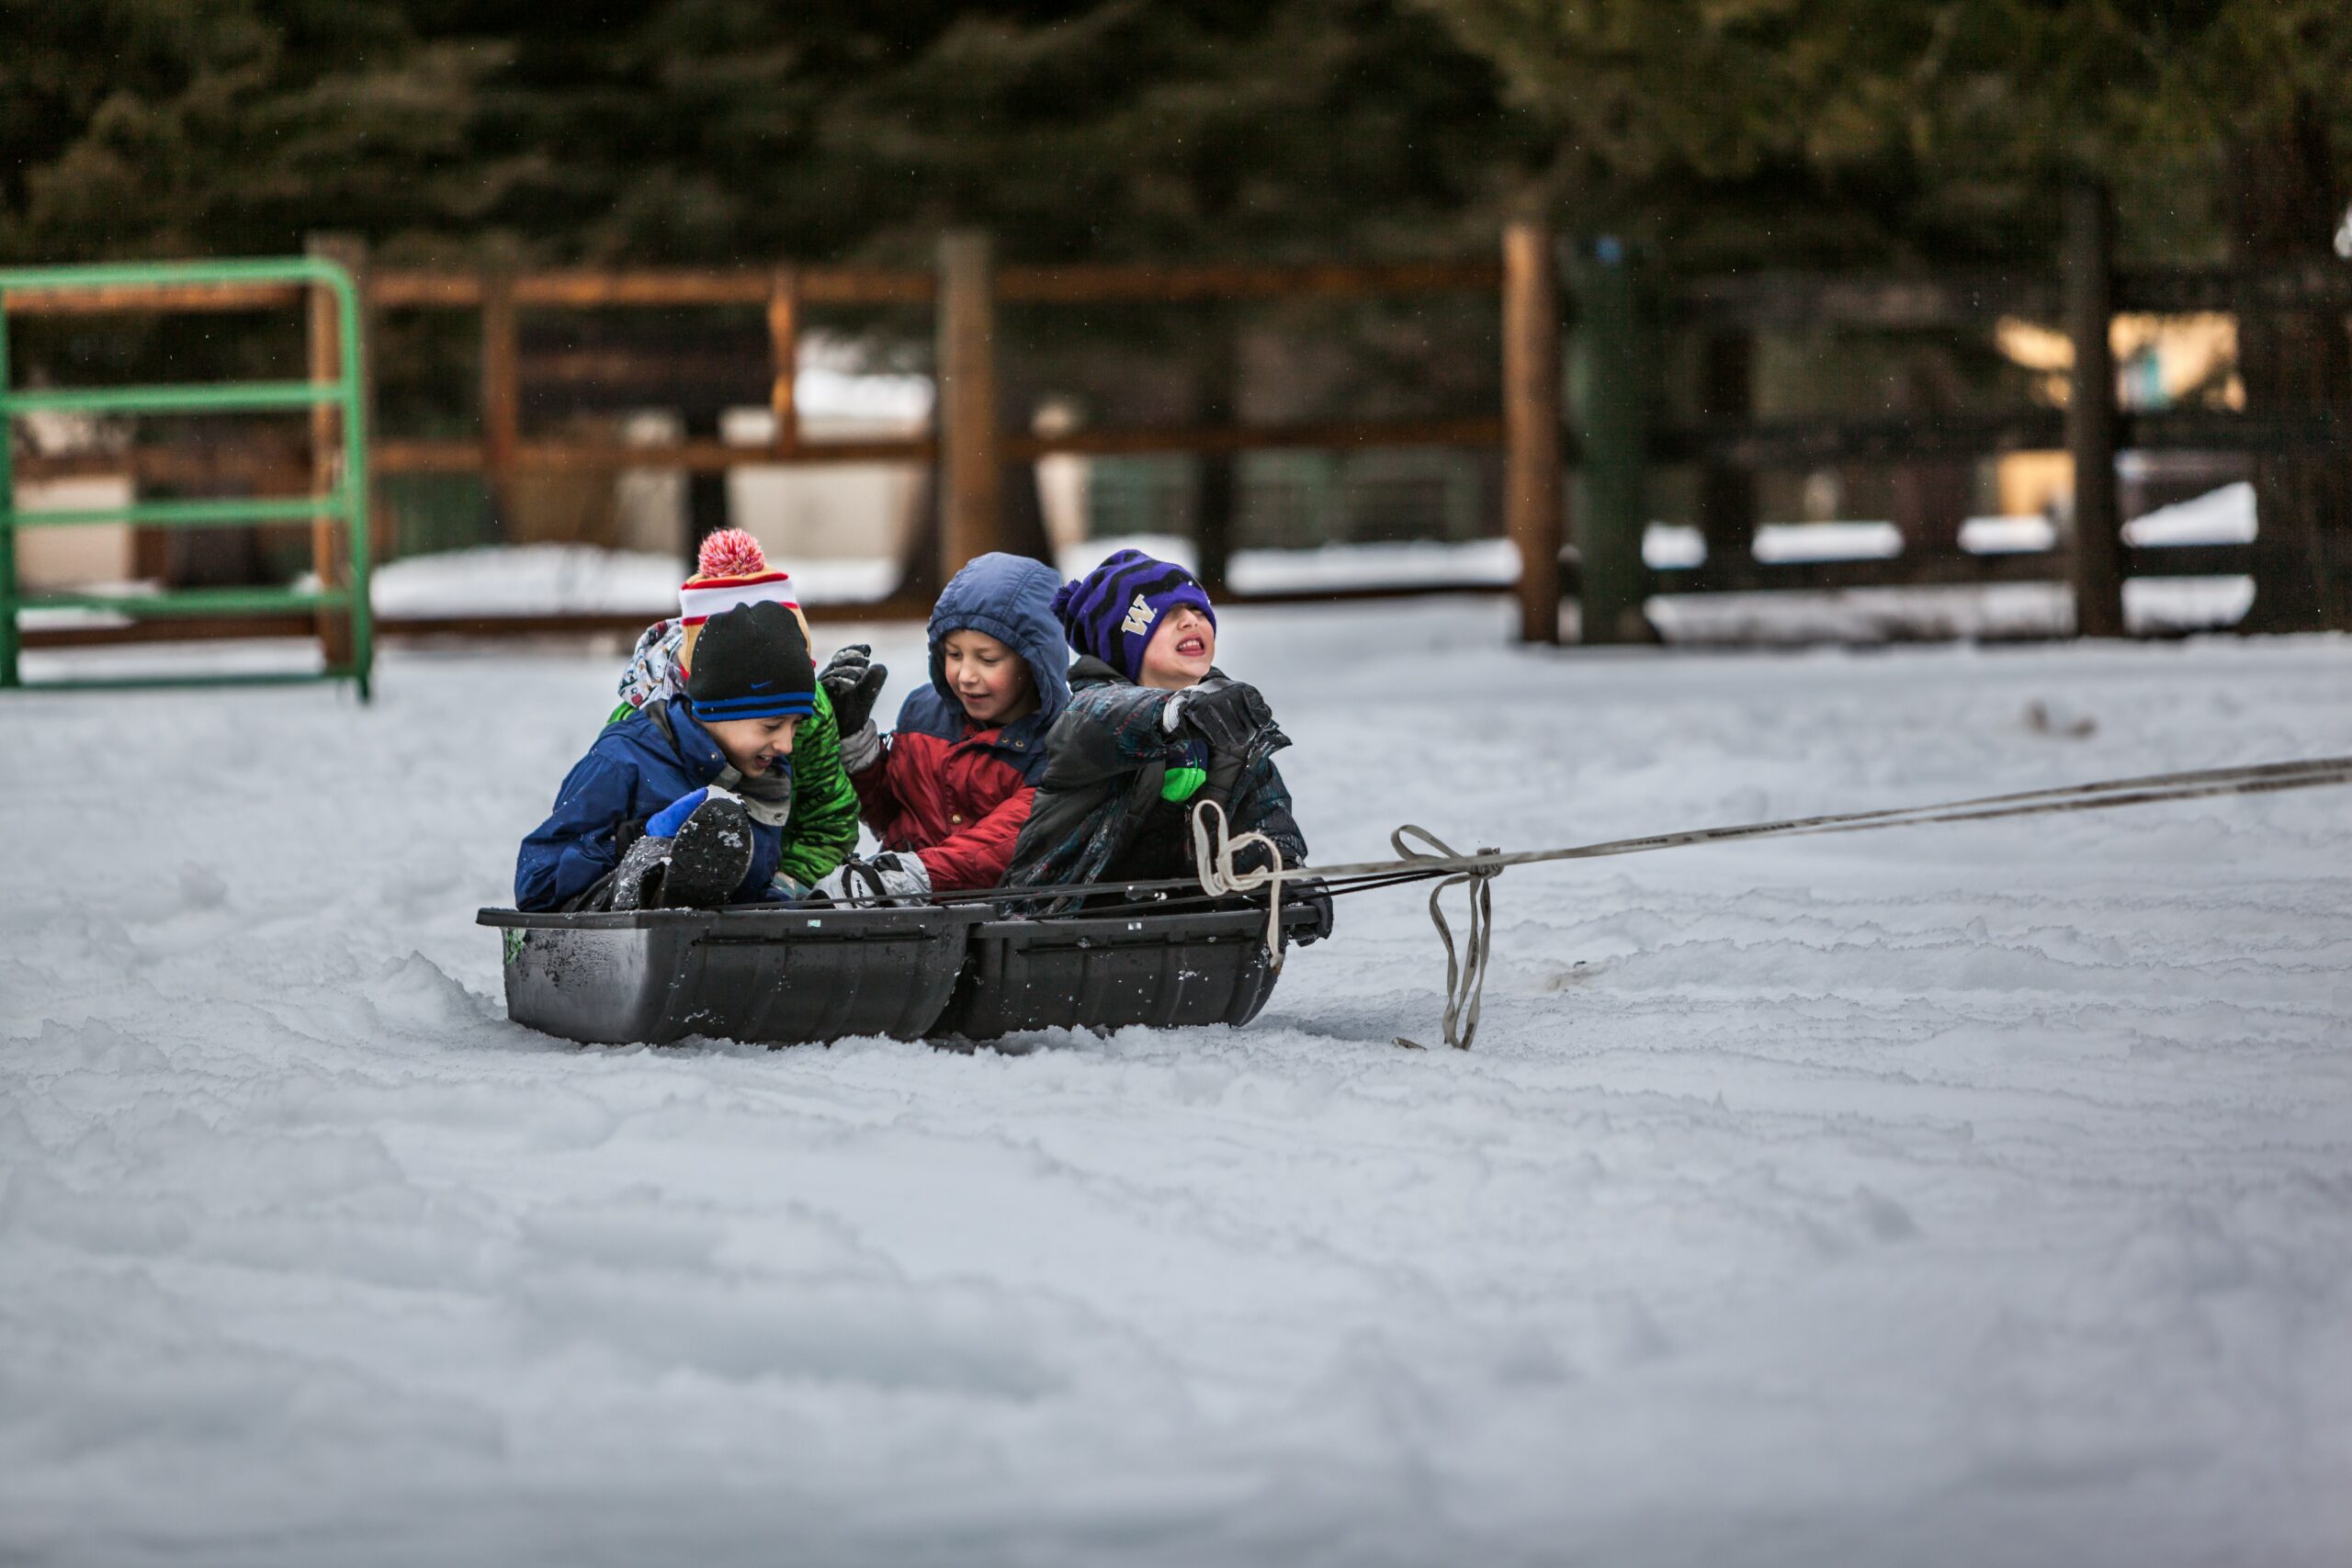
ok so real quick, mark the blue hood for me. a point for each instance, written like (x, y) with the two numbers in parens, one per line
(1011, 599)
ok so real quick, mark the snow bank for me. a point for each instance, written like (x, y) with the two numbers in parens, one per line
(540, 580)
(548, 579)
(551, 579)
(1962, 1195)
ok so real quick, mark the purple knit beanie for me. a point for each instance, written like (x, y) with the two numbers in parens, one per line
(1111, 611)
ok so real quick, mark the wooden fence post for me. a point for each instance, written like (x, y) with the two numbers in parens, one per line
(1532, 489)
(971, 487)
(330, 543)
(1609, 376)
(1726, 490)
(784, 349)
(11, 639)
(501, 394)
(1217, 498)
(2090, 411)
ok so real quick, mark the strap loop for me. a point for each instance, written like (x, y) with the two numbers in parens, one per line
(1465, 973)
(1213, 853)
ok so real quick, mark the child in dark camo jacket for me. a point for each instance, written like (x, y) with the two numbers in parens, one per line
(1153, 726)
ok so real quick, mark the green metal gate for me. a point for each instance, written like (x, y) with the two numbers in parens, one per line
(344, 502)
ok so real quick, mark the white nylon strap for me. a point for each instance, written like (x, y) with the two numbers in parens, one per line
(1213, 853)
(1466, 973)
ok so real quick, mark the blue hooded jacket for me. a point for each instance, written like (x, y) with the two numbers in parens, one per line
(637, 765)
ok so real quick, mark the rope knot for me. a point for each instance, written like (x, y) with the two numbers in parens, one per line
(1212, 853)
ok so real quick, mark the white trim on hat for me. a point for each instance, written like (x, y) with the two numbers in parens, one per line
(697, 602)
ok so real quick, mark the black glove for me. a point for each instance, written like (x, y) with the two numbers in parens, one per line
(1229, 719)
(852, 680)
(1308, 892)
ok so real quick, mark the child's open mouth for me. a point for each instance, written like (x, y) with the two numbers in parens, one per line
(1191, 647)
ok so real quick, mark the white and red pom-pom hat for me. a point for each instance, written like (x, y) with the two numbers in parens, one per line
(731, 570)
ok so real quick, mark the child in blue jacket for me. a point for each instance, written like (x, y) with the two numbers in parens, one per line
(678, 804)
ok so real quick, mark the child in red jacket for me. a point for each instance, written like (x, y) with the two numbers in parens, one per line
(947, 791)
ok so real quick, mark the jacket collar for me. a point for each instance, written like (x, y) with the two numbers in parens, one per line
(935, 715)
(688, 739)
(1091, 671)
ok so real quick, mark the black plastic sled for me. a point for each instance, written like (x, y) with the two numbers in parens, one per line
(1108, 972)
(779, 976)
(772, 975)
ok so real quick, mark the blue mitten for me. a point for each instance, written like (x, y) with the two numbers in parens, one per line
(666, 823)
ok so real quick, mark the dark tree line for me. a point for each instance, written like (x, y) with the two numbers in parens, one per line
(1728, 133)
(1736, 131)
(712, 130)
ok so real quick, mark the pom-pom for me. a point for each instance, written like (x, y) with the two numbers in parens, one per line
(730, 552)
(1064, 595)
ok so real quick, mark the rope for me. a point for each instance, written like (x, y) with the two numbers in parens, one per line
(2259, 779)
(1466, 972)
(1465, 982)
(1221, 878)
(1215, 843)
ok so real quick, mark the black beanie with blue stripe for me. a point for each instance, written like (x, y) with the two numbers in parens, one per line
(752, 662)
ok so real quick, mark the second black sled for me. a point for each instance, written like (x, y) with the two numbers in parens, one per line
(1106, 971)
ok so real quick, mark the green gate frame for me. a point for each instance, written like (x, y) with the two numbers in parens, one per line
(345, 504)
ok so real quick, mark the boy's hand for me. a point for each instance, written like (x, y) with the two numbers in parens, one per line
(853, 681)
(890, 875)
(1228, 719)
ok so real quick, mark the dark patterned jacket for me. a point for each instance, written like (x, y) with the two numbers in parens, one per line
(1099, 815)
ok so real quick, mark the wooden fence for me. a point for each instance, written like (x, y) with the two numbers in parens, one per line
(1584, 317)
(1729, 445)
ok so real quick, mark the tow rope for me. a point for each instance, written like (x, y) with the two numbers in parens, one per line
(1214, 845)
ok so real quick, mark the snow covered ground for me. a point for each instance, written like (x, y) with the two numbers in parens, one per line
(1971, 1195)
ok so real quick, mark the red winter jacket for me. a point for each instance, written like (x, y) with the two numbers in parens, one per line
(959, 802)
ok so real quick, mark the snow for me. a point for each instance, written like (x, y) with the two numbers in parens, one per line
(2001, 612)
(542, 579)
(2224, 516)
(1972, 1194)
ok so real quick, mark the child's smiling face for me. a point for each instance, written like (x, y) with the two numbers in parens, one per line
(752, 745)
(1179, 652)
(990, 679)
